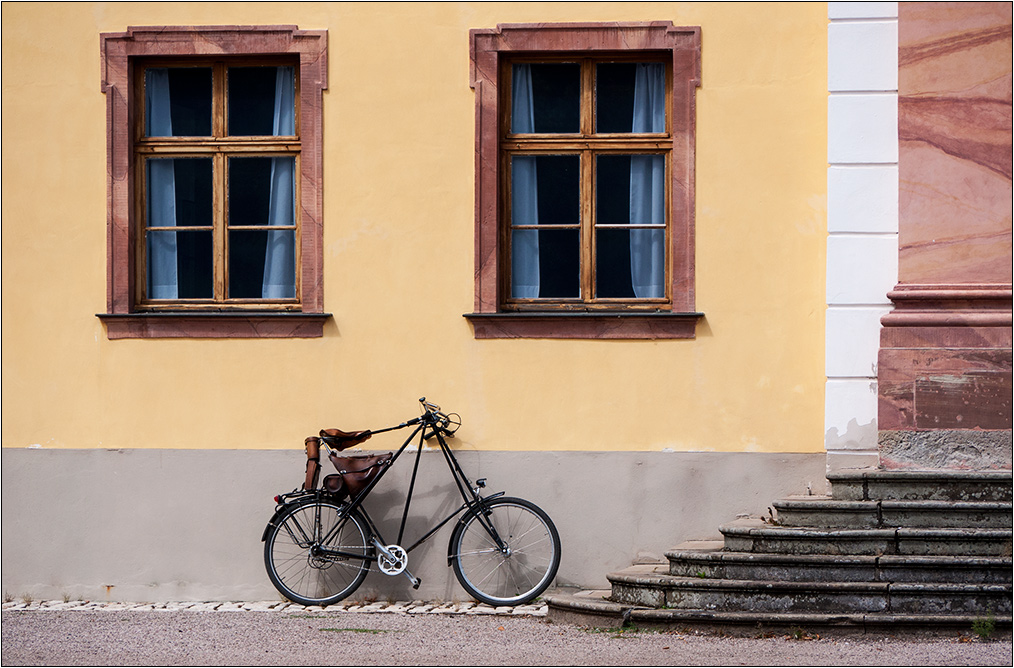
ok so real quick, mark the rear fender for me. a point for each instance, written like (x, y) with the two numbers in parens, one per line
(273, 522)
(283, 508)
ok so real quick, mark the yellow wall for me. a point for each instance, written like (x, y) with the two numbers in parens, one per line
(398, 257)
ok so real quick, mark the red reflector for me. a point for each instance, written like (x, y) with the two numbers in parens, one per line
(278, 498)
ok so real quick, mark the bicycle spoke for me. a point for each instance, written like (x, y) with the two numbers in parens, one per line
(475, 552)
(302, 540)
(309, 572)
(522, 569)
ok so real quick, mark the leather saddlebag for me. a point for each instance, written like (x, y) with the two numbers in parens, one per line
(335, 486)
(357, 471)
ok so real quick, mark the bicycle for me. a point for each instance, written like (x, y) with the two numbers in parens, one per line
(320, 543)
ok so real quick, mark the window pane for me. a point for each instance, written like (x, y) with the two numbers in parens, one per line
(545, 263)
(262, 264)
(179, 192)
(612, 189)
(630, 263)
(630, 189)
(261, 101)
(546, 97)
(180, 264)
(262, 191)
(560, 264)
(545, 190)
(177, 102)
(612, 264)
(630, 97)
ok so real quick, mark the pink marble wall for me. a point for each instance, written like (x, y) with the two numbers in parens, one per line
(954, 127)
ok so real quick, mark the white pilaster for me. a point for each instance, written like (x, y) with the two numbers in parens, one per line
(862, 245)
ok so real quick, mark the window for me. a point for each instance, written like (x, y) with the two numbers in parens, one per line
(585, 153)
(584, 180)
(216, 154)
(214, 178)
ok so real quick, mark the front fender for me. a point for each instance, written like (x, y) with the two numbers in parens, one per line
(450, 542)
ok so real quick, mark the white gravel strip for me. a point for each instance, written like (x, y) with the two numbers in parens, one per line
(397, 607)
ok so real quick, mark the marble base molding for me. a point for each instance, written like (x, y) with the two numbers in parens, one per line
(950, 306)
(944, 378)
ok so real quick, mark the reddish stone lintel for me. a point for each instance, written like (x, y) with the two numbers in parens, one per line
(214, 325)
(585, 325)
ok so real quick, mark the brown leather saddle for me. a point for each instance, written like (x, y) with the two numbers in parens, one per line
(340, 440)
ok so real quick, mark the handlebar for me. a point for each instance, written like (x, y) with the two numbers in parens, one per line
(447, 423)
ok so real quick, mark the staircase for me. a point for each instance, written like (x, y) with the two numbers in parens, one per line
(887, 550)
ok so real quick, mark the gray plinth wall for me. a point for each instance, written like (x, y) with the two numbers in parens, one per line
(158, 525)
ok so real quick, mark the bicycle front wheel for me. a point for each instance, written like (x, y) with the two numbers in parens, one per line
(317, 553)
(520, 567)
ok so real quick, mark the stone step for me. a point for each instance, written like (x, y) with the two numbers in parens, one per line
(689, 560)
(755, 535)
(872, 485)
(822, 511)
(652, 586)
(602, 613)
(887, 551)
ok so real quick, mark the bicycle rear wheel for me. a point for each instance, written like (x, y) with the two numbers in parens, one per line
(316, 554)
(519, 571)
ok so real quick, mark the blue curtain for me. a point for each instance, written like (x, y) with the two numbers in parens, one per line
(163, 277)
(280, 256)
(525, 276)
(647, 186)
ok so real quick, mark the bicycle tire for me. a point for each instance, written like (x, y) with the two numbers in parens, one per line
(299, 571)
(519, 574)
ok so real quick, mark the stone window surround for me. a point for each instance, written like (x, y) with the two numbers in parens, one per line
(117, 52)
(487, 46)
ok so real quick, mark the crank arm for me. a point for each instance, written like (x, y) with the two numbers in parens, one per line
(387, 553)
(383, 550)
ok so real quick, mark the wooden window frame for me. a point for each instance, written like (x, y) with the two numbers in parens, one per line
(588, 145)
(492, 50)
(128, 314)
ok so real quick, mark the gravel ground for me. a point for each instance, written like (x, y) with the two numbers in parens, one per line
(188, 638)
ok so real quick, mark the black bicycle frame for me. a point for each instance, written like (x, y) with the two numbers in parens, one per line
(473, 501)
